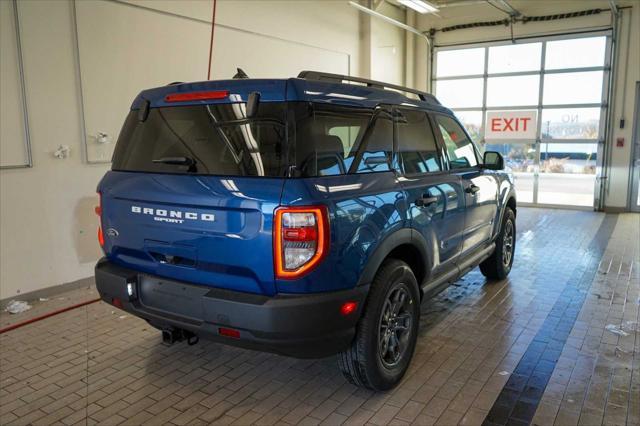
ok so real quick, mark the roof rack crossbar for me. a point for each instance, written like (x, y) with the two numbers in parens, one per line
(339, 78)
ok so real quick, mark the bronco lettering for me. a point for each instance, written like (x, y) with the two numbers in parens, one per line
(172, 216)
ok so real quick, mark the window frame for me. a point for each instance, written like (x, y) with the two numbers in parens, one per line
(444, 163)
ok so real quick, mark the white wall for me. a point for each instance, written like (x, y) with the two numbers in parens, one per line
(47, 223)
(617, 185)
(161, 56)
(387, 46)
(46, 213)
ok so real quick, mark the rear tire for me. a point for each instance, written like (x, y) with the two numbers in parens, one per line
(387, 331)
(498, 265)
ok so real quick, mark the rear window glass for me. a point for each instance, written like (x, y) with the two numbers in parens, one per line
(298, 139)
(205, 139)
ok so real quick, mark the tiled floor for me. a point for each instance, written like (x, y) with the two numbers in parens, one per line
(574, 289)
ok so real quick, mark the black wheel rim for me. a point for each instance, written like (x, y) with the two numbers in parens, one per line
(507, 244)
(395, 327)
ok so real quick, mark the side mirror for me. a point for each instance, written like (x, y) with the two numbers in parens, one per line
(493, 160)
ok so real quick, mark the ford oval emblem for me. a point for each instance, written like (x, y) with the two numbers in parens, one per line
(112, 232)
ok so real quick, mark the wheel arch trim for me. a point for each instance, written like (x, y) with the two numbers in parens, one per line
(402, 237)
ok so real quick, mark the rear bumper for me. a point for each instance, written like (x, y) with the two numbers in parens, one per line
(304, 326)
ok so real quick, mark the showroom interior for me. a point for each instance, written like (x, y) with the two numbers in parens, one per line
(553, 86)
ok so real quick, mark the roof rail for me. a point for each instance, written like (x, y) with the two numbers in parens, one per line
(338, 78)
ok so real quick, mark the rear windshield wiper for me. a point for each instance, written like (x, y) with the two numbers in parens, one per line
(178, 161)
(249, 120)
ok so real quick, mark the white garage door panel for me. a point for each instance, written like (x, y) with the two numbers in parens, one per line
(13, 134)
(125, 49)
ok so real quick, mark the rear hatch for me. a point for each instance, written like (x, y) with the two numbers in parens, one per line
(192, 192)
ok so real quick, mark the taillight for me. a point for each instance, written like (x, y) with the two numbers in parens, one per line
(300, 239)
(98, 211)
(197, 96)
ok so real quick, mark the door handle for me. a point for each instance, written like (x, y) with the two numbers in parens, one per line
(426, 201)
(472, 189)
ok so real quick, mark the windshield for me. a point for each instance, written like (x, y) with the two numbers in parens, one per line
(284, 139)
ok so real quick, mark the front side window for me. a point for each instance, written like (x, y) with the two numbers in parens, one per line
(460, 149)
(417, 149)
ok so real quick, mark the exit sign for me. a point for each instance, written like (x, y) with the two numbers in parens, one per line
(511, 125)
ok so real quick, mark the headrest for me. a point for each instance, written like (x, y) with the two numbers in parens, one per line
(328, 144)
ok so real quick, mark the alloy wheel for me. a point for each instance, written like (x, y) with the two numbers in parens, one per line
(507, 244)
(395, 326)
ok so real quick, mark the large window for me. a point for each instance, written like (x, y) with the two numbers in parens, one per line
(563, 80)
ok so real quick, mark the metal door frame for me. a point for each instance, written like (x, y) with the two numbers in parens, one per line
(634, 172)
(604, 104)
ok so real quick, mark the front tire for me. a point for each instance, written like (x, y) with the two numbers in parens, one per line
(499, 264)
(387, 332)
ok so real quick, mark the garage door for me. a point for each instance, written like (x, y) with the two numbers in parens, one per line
(542, 103)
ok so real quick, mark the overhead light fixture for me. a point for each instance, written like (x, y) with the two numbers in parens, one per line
(389, 20)
(419, 6)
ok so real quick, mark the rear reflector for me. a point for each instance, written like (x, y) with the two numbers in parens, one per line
(348, 308)
(229, 332)
(116, 302)
(197, 96)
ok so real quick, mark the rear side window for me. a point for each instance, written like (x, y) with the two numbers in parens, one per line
(205, 139)
(333, 140)
(460, 149)
(417, 149)
(377, 145)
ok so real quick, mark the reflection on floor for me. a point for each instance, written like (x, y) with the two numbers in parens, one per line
(562, 189)
(99, 365)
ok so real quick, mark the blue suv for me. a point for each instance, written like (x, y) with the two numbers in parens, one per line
(307, 216)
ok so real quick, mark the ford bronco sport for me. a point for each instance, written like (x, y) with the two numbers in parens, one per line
(307, 216)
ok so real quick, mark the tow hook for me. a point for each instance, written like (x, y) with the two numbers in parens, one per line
(174, 335)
